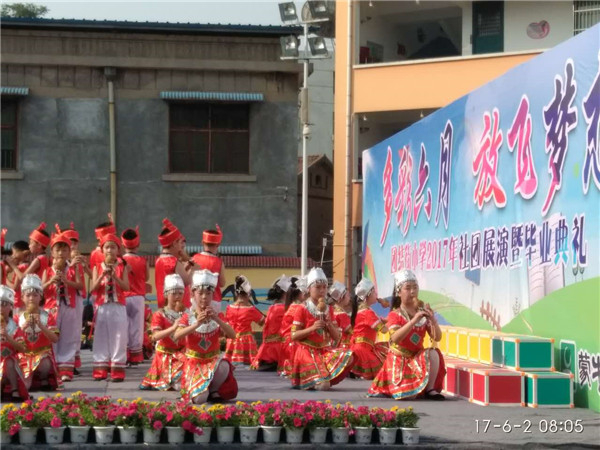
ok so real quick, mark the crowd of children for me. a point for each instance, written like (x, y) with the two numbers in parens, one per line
(312, 335)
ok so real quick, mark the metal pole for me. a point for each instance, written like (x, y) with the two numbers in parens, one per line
(113, 153)
(305, 135)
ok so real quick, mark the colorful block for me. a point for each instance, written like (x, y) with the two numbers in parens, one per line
(549, 390)
(473, 338)
(452, 342)
(527, 353)
(485, 348)
(498, 387)
(462, 345)
(451, 378)
(443, 343)
(464, 377)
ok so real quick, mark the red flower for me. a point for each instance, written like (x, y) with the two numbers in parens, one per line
(14, 429)
(297, 422)
(55, 422)
(157, 425)
(29, 416)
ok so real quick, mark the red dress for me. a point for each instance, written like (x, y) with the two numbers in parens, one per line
(314, 361)
(369, 355)
(8, 353)
(18, 301)
(242, 349)
(203, 355)
(405, 372)
(39, 348)
(213, 263)
(342, 318)
(167, 364)
(270, 348)
(165, 265)
(288, 349)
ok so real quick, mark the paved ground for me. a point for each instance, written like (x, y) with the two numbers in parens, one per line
(451, 423)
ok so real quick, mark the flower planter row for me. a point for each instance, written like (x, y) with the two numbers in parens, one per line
(224, 435)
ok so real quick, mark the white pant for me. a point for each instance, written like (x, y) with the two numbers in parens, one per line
(69, 338)
(135, 320)
(110, 336)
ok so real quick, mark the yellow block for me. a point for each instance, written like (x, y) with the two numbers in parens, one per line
(453, 342)
(463, 344)
(473, 346)
(485, 348)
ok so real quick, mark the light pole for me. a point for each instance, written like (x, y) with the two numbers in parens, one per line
(314, 48)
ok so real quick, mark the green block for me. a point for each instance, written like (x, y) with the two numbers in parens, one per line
(549, 389)
(497, 351)
(510, 353)
(535, 355)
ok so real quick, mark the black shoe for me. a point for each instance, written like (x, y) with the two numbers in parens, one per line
(267, 367)
(76, 372)
(434, 396)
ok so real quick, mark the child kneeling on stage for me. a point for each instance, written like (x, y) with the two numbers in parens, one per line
(206, 375)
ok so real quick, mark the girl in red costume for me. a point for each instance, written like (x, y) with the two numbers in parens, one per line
(270, 349)
(315, 364)
(240, 315)
(167, 364)
(13, 342)
(342, 311)
(410, 370)
(369, 355)
(205, 373)
(296, 296)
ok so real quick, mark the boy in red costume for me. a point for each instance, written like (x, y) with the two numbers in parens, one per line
(209, 259)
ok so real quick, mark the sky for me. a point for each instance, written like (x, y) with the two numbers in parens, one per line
(251, 12)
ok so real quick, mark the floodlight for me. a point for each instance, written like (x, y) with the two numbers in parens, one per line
(287, 11)
(318, 9)
(289, 46)
(318, 46)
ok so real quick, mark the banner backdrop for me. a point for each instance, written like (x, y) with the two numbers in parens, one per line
(494, 202)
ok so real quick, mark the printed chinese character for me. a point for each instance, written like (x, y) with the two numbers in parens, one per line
(545, 243)
(520, 135)
(475, 250)
(517, 243)
(415, 256)
(422, 253)
(443, 203)
(530, 241)
(596, 369)
(387, 195)
(560, 117)
(489, 247)
(561, 237)
(452, 251)
(591, 112)
(403, 200)
(463, 253)
(485, 163)
(423, 177)
(502, 255)
(585, 371)
(400, 257)
(578, 242)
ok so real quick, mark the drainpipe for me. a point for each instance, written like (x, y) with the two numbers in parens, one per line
(110, 73)
(348, 193)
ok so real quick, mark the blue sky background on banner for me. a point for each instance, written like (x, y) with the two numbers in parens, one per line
(501, 286)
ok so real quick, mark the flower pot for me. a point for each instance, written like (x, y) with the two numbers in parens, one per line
(54, 435)
(203, 438)
(225, 434)
(387, 436)
(27, 435)
(271, 434)
(175, 435)
(293, 435)
(248, 435)
(341, 435)
(318, 435)
(128, 435)
(104, 435)
(362, 435)
(79, 434)
(410, 436)
(5, 437)
(151, 436)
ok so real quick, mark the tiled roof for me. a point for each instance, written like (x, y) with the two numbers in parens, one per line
(310, 161)
(9, 90)
(285, 262)
(219, 96)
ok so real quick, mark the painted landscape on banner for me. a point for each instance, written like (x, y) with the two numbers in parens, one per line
(494, 201)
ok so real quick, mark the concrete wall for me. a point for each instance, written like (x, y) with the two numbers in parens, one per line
(320, 95)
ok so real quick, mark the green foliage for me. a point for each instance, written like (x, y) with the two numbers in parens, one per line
(24, 10)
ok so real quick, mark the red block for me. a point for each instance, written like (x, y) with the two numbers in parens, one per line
(498, 387)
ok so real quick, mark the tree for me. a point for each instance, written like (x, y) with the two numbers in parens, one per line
(24, 10)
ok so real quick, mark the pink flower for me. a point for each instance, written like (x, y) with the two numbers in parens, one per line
(29, 416)
(157, 425)
(297, 422)
(261, 419)
(169, 416)
(55, 422)
(14, 429)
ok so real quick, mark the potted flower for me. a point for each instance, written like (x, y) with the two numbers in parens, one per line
(339, 421)
(102, 421)
(199, 422)
(50, 420)
(9, 424)
(177, 413)
(226, 419)
(410, 431)
(318, 416)
(294, 420)
(248, 424)
(128, 420)
(154, 417)
(269, 419)
(361, 421)
(78, 418)
(29, 420)
(387, 422)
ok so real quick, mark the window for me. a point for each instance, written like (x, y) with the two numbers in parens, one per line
(9, 134)
(209, 138)
(586, 14)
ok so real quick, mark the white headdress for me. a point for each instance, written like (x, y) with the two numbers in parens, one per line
(402, 277)
(301, 284)
(337, 290)
(7, 294)
(283, 283)
(31, 281)
(245, 286)
(364, 288)
(315, 275)
(173, 282)
(205, 278)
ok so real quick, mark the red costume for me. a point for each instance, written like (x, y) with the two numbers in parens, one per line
(270, 349)
(405, 372)
(242, 349)
(55, 295)
(18, 301)
(342, 318)
(369, 355)
(288, 348)
(213, 263)
(167, 365)
(10, 354)
(165, 265)
(135, 299)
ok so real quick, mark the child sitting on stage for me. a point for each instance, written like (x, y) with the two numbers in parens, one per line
(167, 365)
(206, 375)
(240, 315)
(342, 311)
(296, 296)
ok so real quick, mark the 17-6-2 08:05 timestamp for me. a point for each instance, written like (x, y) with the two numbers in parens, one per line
(527, 426)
